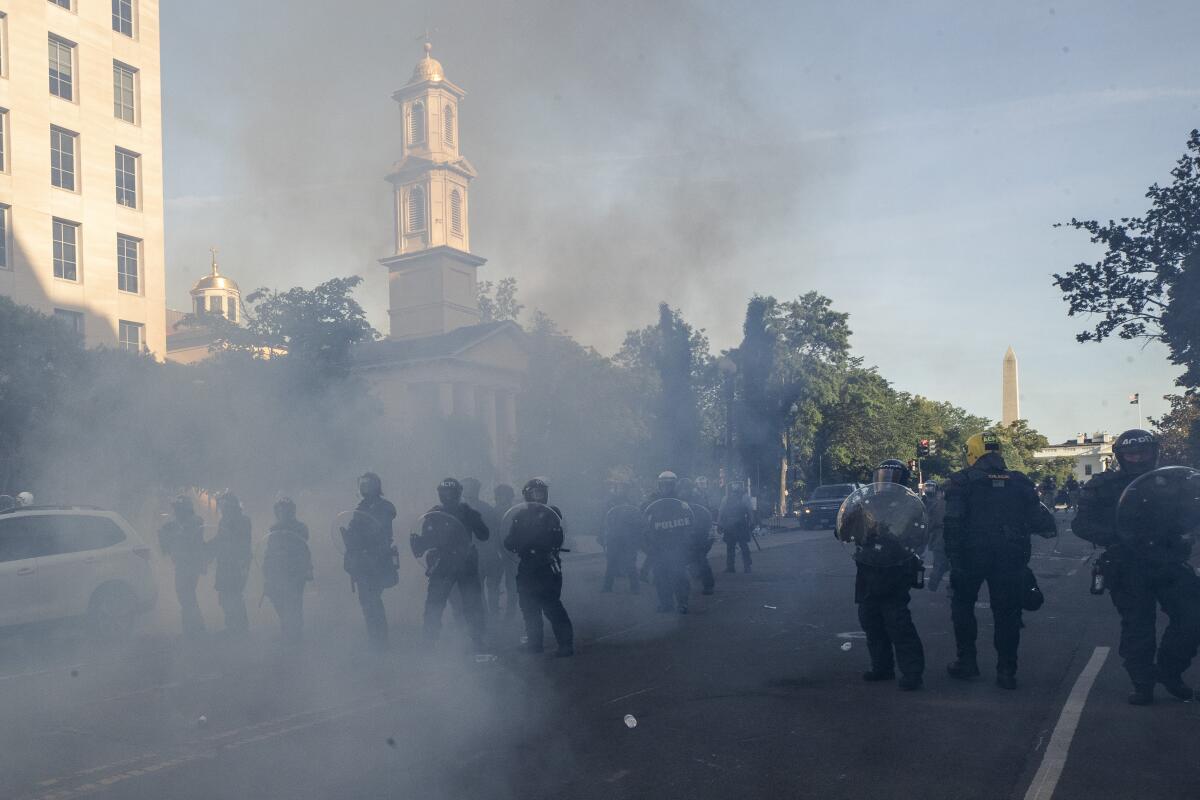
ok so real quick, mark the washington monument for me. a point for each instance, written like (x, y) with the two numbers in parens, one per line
(1011, 411)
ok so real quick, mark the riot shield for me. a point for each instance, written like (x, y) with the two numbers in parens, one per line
(1044, 523)
(622, 523)
(1160, 505)
(670, 524)
(354, 526)
(439, 536)
(529, 513)
(884, 522)
(702, 527)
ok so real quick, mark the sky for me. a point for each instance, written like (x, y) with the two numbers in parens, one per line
(907, 160)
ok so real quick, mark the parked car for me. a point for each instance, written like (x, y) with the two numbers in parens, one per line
(820, 509)
(72, 563)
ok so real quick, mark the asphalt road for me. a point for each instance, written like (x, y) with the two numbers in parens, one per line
(750, 695)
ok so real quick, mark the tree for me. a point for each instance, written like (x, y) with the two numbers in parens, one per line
(498, 302)
(313, 330)
(1147, 285)
(1019, 443)
(1178, 430)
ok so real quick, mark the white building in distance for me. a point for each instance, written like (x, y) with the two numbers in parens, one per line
(81, 198)
(1092, 453)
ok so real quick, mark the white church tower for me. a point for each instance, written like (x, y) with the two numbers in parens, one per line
(431, 276)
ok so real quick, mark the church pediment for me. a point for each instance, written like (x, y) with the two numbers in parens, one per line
(499, 346)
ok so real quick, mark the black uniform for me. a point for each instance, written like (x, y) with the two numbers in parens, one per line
(370, 561)
(668, 553)
(701, 544)
(457, 564)
(1141, 578)
(622, 528)
(287, 566)
(734, 523)
(231, 550)
(182, 539)
(536, 536)
(990, 513)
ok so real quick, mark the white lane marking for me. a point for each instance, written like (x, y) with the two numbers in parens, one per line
(631, 694)
(1055, 758)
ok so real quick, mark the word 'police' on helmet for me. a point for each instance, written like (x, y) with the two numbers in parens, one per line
(980, 444)
(892, 471)
(450, 492)
(536, 490)
(1136, 451)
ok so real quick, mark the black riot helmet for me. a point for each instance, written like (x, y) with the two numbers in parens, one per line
(1136, 451)
(182, 505)
(450, 492)
(471, 487)
(285, 509)
(536, 491)
(228, 502)
(668, 483)
(369, 485)
(892, 471)
(504, 494)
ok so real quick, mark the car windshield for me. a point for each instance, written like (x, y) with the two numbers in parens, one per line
(834, 492)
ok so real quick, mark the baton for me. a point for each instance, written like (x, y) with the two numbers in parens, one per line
(756, 544)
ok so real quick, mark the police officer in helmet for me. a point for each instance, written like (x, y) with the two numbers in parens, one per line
(669, 528)
(287, 567)
(882, 595)
(455, 564)
(536, 536)
(182, 540)
(734, 523)
(370, 557)
(1143, 574)
(990, 513)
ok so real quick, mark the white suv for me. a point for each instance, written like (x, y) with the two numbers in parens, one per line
(59, 563)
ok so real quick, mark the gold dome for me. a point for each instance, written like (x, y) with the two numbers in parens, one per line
(428, 68)
(215, 280)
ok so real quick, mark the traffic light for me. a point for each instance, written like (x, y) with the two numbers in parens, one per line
(923, 448)
(933, 447)
(912, 465)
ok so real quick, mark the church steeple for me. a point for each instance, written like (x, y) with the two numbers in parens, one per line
(432, 272)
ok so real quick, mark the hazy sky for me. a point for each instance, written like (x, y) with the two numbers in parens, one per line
(906, 159)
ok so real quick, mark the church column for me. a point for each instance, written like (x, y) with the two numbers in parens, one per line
(446, 399)
(487, 412)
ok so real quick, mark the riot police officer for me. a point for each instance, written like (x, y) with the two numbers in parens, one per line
(536, 536)
(455, 563)
(287, 567)
(734, 523)
(231, 550)
(1142, 575)
(990, 513)
(701, 539)
(882, 594)
(182, 540)
(668, 532)
(622, 526)
(370, 558)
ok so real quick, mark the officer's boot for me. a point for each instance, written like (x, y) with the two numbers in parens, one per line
(909, 683)
(1006, 679)
(963, 668)
(1142, 694)
(1174, 685)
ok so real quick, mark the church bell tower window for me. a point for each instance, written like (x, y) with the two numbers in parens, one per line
(416, 123)
(416, 209)
(448, 126)
(456, 226)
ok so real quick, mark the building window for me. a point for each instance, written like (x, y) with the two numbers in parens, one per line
(416, 123)
(127, 164)
(1087, 469)
(416, 209)
(5, 227)
(231, 309)
(215, 306)
(456, 226)
(129, 336)
(122, 16)
(72, 319)
(128, 261)
(199, 304)
(61, 4)
(62, 68)
(66, 250)
(62, 158)
(124, 92)
(3, 140)
(448, 126)
(3, 44)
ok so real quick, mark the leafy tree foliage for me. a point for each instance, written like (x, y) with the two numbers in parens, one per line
(1147, 284)
(1179, 430)
(498, 301)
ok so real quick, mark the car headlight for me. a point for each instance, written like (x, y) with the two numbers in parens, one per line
(808, 511)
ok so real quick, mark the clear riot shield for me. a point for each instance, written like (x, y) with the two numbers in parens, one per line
(1163, 503)
(622, 524)
(702, 527)
(529, 513)
(355, 527)
(670, 524)
(884, 522)
(438, 536)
